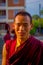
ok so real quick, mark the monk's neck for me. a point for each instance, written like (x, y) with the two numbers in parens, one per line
(21, 41)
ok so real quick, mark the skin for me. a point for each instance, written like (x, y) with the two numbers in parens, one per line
(22, 27)
(4, 53)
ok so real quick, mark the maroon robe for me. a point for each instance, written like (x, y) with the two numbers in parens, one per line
(29, 53)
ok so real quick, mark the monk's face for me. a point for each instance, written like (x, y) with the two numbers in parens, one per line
(22, 26)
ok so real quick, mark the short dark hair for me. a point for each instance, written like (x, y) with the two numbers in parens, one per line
(24, 13)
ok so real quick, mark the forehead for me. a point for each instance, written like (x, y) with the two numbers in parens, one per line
(22, 19)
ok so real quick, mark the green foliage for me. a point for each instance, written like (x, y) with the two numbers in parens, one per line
(35, 23)
(41, 22)
(38, 22)
(36, 17)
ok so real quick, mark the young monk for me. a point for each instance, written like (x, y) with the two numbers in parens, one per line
(25, 49)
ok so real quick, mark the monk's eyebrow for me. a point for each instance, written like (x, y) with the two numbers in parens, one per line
(21, 23)
(24, 24)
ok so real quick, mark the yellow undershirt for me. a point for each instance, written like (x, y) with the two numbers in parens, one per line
(17, 45)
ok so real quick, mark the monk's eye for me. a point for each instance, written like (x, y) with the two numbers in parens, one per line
(18, 24)
(25, 24)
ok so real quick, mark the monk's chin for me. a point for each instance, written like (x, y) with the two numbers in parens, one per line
(22, 38)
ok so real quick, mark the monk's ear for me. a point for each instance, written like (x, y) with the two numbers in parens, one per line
(31, 26)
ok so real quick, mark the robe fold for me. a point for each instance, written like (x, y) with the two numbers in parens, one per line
(29, 53)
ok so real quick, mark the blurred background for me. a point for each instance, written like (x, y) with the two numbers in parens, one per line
(8, 9)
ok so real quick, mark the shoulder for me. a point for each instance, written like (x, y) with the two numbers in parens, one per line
(36, 41)
(10, 43)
